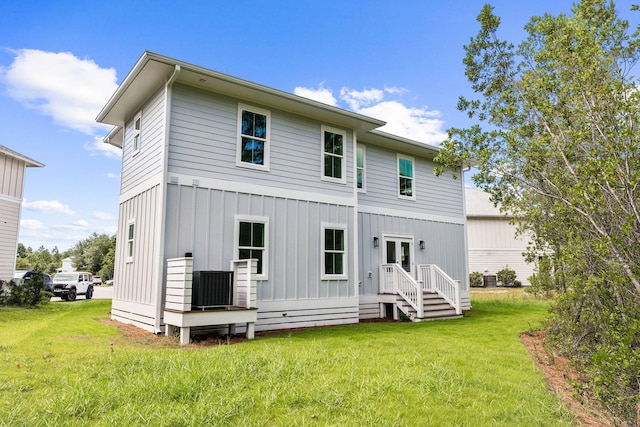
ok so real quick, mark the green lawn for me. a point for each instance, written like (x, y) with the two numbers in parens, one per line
(59, 366)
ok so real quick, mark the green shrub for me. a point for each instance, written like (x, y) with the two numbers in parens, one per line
(507, 277)
(542, 281)
(25, 293)
(476, 280)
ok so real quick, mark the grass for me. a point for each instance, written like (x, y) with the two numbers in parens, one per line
(59, 366)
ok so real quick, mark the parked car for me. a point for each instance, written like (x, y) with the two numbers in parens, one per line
(109, 282)
(97, 280)
(21, 276)
(69, 285)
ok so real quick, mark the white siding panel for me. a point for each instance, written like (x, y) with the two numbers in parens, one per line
(9, 226)
(11, 176)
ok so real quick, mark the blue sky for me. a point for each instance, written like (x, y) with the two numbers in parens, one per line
(399, 61)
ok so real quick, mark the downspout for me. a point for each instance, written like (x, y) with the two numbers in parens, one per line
(159, 279)
(465, 278)
(356, 226)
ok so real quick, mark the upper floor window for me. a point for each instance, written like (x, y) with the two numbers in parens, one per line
(333, 158)
(252, 236)
(253, 138)
(137, 137)
(360, 171)
(333, 251)
(406, 183)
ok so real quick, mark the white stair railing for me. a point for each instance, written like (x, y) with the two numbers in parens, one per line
(395, 279)
(436, 280)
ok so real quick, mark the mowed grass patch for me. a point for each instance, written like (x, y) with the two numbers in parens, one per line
(471, 371)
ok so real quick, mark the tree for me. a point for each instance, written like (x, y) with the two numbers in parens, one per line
(93, 255)
(560, 148)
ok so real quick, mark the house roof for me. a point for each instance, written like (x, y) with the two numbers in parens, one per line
(478, 204)
(28, 161)
(153, 70)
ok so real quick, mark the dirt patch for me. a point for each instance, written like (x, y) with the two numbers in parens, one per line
(559, 375)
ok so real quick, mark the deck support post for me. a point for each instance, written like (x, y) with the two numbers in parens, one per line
(251, 330)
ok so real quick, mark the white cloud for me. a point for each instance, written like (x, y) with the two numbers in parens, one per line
(48, 206)
(102, 216)
(80, 224)
(112, 175)
(321, 94)
(99, 147)
(69, 89)
(418, 124)
(31, 224)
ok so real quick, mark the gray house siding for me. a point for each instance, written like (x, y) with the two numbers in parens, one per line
(11, 176)
(202, 220)
(135, 295)
(10, 214)
(444, 246)
(204, 139)
(147, 162)
(435, 195)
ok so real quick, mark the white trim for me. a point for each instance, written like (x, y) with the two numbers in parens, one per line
(364, 168)
(264, 190)
(236, 235)
(267, 140)
(377, 210)
(413, 178)
(11, 199)
(345, 254)
(323, 177)
(400, 238)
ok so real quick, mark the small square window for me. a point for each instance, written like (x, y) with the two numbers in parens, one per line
(251, 241)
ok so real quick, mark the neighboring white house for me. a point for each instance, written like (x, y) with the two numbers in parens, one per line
(12, 173)
(492, 240)
(67, 266)
(344, 222)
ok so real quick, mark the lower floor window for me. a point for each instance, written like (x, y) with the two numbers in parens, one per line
(252, 242)
(334, 251)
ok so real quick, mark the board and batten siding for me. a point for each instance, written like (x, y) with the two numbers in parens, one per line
(11, 176)
(147, 162)
(9, 226)
(202, 220)
(136, 285)
(204, 139)
(444, 246)
(435, 195)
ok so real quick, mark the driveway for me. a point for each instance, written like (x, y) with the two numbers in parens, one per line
(99, 292)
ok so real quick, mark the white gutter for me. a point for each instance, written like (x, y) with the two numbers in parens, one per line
(160, 234)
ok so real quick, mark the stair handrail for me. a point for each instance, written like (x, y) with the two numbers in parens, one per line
(396, 279)
(434, 279)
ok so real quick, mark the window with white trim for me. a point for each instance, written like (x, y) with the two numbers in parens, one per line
(131, 233)
(253, 137)
(333, 158)
(137, 133)
(406, 180)
(252, 241)
(360, 171)
(334, 261)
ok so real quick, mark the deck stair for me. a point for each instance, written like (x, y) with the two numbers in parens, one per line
(433, 296)
(435, 307)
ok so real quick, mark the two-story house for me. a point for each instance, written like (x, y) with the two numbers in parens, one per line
(322, 219)
(13, 168)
